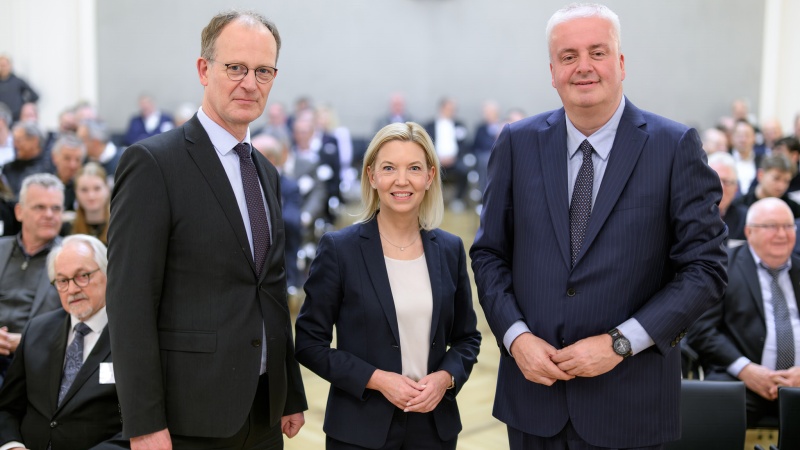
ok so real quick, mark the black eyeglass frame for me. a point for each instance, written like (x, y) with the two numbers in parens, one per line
(236, 77)
(64, 282)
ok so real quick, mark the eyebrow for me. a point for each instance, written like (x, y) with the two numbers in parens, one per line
(394, 164)
(591, 48)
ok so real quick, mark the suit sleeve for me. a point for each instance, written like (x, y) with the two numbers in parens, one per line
(314, 326)
(706, 338)
(493, 249)
(14, 396)
(139, 234)
(697, 252)
(464, 339)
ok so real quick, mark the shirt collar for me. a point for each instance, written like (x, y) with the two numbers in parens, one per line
(785, 266)
(97, 322)
(602, 140)
(222, 140)
(46, 248)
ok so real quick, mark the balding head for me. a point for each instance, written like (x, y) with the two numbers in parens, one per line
(770, 231)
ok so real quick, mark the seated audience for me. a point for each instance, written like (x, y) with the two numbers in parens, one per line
(753, 334)
(9, 225)
(94, 202)
(316, 172)
(68, 154)
(6, 139)
(485, 135)
(68, 348)
(714, 141)
(771, 131)
(99, 147)
(30, 158)
(732, 214)
(450, 139)
(25, 290)
(790, 147)
(397, 112)
(747, 155)
(773, 177)
(67, 124)
(150, 121)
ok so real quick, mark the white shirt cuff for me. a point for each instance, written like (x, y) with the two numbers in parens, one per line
(734, 369)
(634, 332)
(12, 444)
(517, 328)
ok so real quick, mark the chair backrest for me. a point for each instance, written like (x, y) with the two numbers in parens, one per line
(789, 413)
(713, 416)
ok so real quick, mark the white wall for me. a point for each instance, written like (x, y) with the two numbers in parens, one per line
(780, 91)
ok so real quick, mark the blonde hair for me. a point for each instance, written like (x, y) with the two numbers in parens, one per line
(431, 210)
(79, 225)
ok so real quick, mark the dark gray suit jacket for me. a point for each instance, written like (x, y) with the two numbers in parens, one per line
(186, 308)
(46, 297)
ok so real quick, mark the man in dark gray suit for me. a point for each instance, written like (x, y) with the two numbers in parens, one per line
(200, 327)
(25, 290)
(600, 243)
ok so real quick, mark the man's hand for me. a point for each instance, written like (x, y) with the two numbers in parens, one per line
(8, 341)
(291, 424)
(758, 379)
(399, 390)
(588, 357)
(786, 378)
(435, 386)
(159, 440)
(532, 355)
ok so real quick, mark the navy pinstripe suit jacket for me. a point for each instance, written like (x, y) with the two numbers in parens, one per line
(653, 251)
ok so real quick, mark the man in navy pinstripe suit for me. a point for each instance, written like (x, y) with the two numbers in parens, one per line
(589, 305)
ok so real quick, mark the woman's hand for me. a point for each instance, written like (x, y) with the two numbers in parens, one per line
(399, 390)
(435, 385)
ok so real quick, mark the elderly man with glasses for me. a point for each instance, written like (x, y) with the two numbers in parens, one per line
(60, 391)
(753, 335)
(25, 290)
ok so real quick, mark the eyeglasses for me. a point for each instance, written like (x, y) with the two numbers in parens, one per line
(729, 183)
(774, 227)
(81, 280)
(237, 72)
(40, 209)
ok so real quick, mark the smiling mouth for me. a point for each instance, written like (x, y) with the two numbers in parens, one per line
(401, 194)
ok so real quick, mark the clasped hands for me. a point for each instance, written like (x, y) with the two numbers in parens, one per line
(542, 363)
(411, 396)
(765, 382)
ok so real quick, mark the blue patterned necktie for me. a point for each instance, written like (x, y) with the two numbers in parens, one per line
(580, 209)
(784, 336)
(259, 226)
(73, 360)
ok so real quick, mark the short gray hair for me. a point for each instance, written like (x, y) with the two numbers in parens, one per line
(208, 38)
(45, 180)
(30, 129)
(99, 252)
(97, 130)
(69, 141)
(724, 159)
(581, 11)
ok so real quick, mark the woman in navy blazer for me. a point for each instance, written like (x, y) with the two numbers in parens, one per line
(406, 340)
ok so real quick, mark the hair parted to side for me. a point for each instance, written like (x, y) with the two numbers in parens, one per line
(431, 210)
(99, 252)
(208, 38)
(581, 11)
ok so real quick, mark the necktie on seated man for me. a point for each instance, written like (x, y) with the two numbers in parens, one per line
(73, 360)
(784, 336)
(580, 208)
(255, 206)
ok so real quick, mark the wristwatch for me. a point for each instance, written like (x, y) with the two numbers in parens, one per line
(452, 382)
(620, 344)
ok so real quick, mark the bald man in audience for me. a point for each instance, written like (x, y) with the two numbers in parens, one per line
(753, 335)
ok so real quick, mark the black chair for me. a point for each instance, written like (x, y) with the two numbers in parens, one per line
(712, 416)
(789, 415)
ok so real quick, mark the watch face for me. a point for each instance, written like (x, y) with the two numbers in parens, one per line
(622, 346)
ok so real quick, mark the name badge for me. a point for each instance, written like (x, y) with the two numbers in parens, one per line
(107, 373)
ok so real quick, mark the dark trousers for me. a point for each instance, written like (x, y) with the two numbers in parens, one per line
(566, 439)
(255, 434)
(409, 431)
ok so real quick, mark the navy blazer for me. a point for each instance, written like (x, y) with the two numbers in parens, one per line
(88, 417)
(653, 251)
(348, 286)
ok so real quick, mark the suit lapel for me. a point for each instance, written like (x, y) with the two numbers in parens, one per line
(553, 156)
(794, 274)
(434, 262)
(202, 152)
(58, 347)
(628, 144)
(91, 366)
(372, 253)
(273, 208)
(748, 271)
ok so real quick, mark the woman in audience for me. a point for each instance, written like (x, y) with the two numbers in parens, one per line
(94, 200)
(396, 289)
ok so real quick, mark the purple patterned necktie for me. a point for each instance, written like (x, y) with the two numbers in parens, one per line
(73, 360)
(255, 206)
(580, 209)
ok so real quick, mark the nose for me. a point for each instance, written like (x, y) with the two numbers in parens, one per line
(72, 287)
(249, 81)
(402, 177)
(584, 64)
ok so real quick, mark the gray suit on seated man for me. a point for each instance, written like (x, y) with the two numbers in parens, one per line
(754, 334)
(25, 290)
(60, 390)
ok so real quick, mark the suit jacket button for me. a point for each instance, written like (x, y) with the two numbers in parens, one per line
(53, 424)
(256, 342)
(571, 292)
